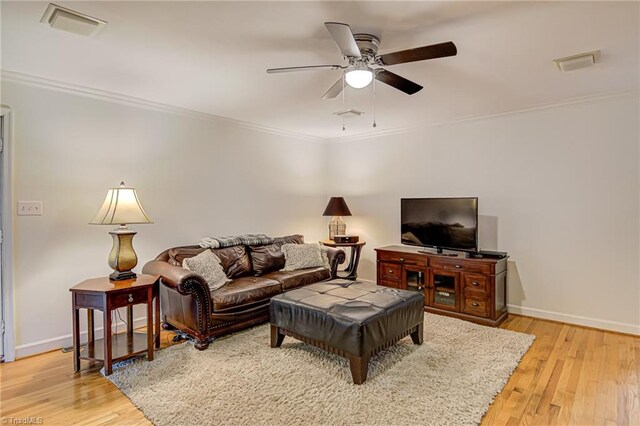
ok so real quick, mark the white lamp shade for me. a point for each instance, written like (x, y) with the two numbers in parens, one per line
(121, 206)
(358, 78)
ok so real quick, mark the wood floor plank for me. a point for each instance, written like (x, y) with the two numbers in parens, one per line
(571, 376)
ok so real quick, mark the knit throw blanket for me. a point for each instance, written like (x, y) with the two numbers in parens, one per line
(245, 239)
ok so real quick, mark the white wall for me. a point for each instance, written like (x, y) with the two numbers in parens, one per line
(558, 189)
(195, 177)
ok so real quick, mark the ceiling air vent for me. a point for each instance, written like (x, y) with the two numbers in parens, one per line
(64, 19)
(582, 60)
(349, 113)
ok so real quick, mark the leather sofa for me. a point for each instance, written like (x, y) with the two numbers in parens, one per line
(189, 305)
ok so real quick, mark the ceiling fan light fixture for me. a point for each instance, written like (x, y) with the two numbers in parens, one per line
(358, 76)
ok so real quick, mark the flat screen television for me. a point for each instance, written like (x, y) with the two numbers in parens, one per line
(441, 223)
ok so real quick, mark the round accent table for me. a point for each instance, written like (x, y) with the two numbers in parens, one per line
(351, 271)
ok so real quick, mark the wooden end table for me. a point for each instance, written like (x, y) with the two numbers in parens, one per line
(351, 270)
(106, 295)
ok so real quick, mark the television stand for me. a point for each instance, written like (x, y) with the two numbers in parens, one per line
(472, 289)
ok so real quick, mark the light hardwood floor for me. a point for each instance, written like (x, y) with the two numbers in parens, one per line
(570, 376)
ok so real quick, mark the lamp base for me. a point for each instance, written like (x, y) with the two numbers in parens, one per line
(120, 276)
(122, 258)
(337, 227)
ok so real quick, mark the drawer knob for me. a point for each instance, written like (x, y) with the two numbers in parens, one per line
(401, 260)
(391, 271)
(458, 266)
(130, 299)
(475, 304)
(475, 283)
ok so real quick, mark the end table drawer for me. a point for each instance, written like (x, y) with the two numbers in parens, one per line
(128, 298)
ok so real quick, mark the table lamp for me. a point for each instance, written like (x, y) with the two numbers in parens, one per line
(121, 207)
(337, 208)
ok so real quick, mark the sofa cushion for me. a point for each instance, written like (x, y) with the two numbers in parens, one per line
(234, 260)
(244, 291)
(269, 257)
(177, 255)
(293, 279)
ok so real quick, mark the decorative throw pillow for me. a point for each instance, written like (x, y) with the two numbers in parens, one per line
(325, 256)
(302, 256)
(208, 266)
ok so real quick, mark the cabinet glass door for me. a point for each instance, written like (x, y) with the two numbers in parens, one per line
(414, 278)
(444, 290)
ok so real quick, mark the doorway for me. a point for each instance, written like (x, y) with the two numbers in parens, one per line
(6, 230)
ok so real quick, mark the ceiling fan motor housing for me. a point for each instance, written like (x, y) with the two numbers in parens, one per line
(368, 45)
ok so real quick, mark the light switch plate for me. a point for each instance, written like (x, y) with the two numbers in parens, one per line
(29, 208)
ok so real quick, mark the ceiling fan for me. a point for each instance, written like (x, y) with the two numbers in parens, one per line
(361, 51)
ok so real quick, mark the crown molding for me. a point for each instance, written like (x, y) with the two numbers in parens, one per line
(504, 113)
(30, 80)
(103, 95)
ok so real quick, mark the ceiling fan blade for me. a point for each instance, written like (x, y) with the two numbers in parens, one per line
(400, 83)
(433, 51)
(306, 68)
(343, 37)
(334, 90)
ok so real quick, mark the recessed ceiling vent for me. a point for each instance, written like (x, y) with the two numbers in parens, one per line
(582, 60)
(64, 19)
(349, 113)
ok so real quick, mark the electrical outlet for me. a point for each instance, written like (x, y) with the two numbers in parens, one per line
(29, 208)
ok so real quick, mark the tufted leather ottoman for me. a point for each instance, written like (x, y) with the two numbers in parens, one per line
(352, 319)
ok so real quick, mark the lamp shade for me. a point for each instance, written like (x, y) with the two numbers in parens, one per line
(121, 206)
(336, 207)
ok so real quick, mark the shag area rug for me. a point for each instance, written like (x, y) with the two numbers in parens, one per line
(451, 379)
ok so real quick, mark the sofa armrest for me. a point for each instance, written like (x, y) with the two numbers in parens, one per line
(336, 257)
(188, 284)
(180, 279)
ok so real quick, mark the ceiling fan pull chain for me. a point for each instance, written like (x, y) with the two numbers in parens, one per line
(343, 102)
(374, 102)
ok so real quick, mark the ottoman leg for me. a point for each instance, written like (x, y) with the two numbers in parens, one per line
(359, 368)
(417, 335)
(276, 337)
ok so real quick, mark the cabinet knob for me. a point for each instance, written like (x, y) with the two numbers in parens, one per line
(130, 299)
(475, 304)
(458, 266)
(391, 271)
(401, 260)
(475, 283)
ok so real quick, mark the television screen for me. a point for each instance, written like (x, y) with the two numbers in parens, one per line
(450, 223)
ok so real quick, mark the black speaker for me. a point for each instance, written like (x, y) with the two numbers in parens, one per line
(345, 239)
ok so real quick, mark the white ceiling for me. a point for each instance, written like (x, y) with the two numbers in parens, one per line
(211, 56)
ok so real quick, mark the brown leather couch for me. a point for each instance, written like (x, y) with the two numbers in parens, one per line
(189, 305)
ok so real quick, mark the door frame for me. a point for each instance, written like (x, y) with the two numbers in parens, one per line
(7, 228)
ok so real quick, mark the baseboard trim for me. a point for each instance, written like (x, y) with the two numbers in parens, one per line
(58, 342)
(600, 324)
